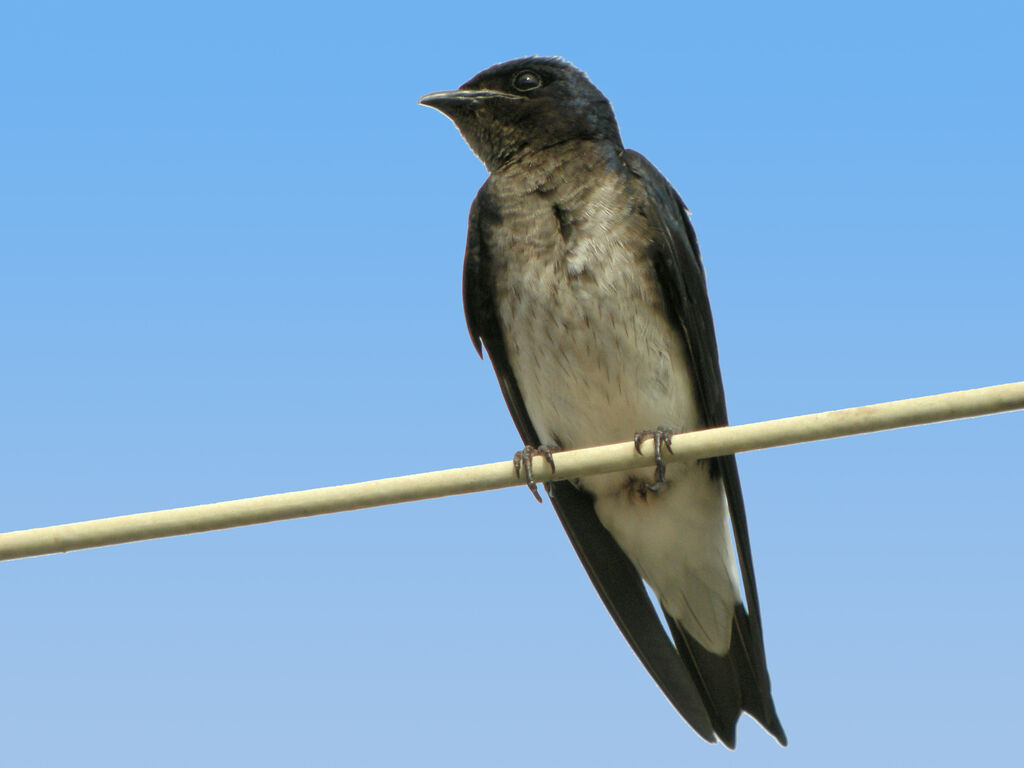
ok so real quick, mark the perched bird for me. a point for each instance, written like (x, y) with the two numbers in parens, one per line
(584, 283)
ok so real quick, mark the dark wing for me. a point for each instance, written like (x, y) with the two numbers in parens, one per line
(612, 573)
(681, 274)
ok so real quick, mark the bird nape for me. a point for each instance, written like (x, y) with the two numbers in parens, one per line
(584, 283)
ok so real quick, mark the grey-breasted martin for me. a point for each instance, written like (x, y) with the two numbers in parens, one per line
(584, 282)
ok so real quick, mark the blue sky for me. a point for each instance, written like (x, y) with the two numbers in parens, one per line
(231, 250)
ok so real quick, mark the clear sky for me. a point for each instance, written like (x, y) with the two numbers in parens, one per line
(231, 248)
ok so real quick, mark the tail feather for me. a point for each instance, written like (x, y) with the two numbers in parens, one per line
(729, 684)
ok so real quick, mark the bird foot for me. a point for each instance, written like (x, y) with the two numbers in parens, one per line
(662, 437)
(522, 464)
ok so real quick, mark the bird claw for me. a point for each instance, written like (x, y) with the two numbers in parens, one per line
(662, 437)
(522, 465)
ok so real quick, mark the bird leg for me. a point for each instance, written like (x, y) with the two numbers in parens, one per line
(662, 437)
(522, 464)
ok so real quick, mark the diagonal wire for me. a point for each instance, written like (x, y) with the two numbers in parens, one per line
(483, 477)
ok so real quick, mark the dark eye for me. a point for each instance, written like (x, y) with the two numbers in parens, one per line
(526, 81)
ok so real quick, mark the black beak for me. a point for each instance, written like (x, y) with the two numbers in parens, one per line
(444, 101)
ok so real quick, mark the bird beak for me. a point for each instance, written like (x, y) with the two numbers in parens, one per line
(443, 101)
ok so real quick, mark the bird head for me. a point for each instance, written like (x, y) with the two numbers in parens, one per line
(526, 105)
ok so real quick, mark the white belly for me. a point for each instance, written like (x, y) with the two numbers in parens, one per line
(596, 361)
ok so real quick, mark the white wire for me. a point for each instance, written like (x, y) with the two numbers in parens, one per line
(569, 464)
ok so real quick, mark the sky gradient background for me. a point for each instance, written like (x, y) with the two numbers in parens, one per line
(231, 248)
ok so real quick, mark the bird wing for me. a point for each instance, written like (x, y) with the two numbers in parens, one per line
(611, 571)
(677, 261)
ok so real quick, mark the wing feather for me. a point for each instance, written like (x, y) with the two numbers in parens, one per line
(679, 268)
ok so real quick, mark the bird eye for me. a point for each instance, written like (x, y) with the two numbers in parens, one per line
(526, 81)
